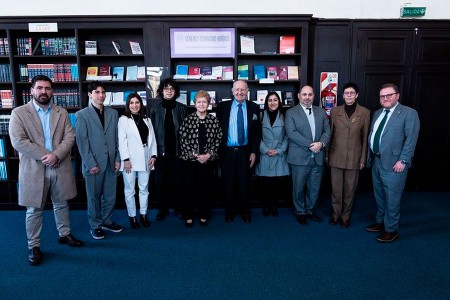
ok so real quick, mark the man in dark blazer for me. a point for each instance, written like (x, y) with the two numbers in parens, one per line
(393, 137)
(308, 129)
(42, 134)
(97, 140)
(241, 127)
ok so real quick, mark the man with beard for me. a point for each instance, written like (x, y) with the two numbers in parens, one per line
(42, 134)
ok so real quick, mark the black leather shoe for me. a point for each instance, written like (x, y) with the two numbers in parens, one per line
(377, 227)
(246, 218)
(162, 214)
(144, 221)
(70, 240)
(274, 211)
(333, 221)
(134, 223)
(203, 222)
(35, 256)
(345, 224)
(315, 218)
(266, 212)
(301, 219)
(229, 218)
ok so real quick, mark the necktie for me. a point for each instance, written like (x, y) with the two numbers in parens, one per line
(376, 139)
(309, 109)
(240, 125)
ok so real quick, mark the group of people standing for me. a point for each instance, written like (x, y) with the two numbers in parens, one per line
(184, 149)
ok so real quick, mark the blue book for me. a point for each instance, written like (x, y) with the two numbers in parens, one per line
(118, 73)
(259, 71)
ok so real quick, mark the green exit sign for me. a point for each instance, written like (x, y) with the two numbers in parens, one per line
(413, 11)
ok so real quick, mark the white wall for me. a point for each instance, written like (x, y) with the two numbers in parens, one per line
(349, 9)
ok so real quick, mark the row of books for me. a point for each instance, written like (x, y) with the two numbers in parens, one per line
(204, 72)
(4, 46)
(119, 98)
(61, 97)
(2, 148)
(286, 44)
(90, 47)
(184, 99)
(3, 172)
(56, 72)
(5, 74)
(7, 99)
(269, 72)
(4, 123)
(118, 73)
(47, 46)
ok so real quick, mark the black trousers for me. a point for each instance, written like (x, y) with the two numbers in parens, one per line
(168, 181)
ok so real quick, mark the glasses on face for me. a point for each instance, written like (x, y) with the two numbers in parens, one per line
(387, 96)
(349, 93)
(169, 89)
(240, 90)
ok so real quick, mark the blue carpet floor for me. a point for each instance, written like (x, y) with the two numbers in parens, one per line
(271, 258)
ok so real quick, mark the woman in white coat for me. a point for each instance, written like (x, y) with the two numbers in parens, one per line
(137, 147)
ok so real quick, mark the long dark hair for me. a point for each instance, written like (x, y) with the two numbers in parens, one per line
(142, 110)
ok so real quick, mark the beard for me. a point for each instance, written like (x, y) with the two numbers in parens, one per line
(43, 99)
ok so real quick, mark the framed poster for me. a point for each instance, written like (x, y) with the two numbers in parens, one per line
(202, 42)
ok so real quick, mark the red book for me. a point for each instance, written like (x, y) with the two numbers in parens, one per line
(287, 44)
(194, 72)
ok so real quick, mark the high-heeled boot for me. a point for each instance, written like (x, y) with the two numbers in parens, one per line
(145, 222)
(134, 223)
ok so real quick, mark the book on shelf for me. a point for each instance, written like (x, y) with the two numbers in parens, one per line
(279, 95)
(181, 72)
(135, 47)
(227, 72)
(272, 72)
(7, 99)
(206, 72)
(213, 102)
(92, 73)
(194, 72)
(183, 97)
(288, 98)
(90, 47)
(261, 96)
(243, 72)
(141, 73)
(118, 73)
(216, 72)
(108, 99)
(247, 44)
(287, 44)
(131, 73)
(283, 73)
(259, 71)
(104, 73)
(293, 72)
(117, 47)
(192, 97)
(143, 95)
(118, 99)
(2, 148)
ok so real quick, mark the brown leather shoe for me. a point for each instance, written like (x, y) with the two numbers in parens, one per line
(387, 237)
(377, 227)
(345, 224)
(35, 256)
(333, 221)
(70, 240)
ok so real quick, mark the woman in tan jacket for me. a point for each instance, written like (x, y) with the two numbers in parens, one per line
(347, 152)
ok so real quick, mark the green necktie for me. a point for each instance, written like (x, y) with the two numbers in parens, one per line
(376, 139)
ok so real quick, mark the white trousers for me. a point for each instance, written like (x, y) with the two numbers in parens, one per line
(129, 180)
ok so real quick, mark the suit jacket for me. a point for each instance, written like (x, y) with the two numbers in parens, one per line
(157, 115)
(130, 143)
(273, 137)
(399, 137)
(27, 137)
(300, 135)
(97, 145)
(253, 124)
(348, 144)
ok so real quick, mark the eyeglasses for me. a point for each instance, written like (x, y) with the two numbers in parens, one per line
(349, 94)
(387, 96)
(240, 90)
(169, 89)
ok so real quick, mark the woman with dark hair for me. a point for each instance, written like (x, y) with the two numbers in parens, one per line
(200, 137)
(167, 116)
(137, 147)
(272, 167)
(347, 152)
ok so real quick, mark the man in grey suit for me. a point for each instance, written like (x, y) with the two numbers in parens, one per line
(97, 140)
(308, 130)
(42, 134)
(393, 138)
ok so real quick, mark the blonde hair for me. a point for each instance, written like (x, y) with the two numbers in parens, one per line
(202, 94)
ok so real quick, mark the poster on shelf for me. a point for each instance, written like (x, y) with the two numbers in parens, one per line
(328, 90)
(202, 42)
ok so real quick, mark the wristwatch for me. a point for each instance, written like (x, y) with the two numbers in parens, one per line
(403, 161)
